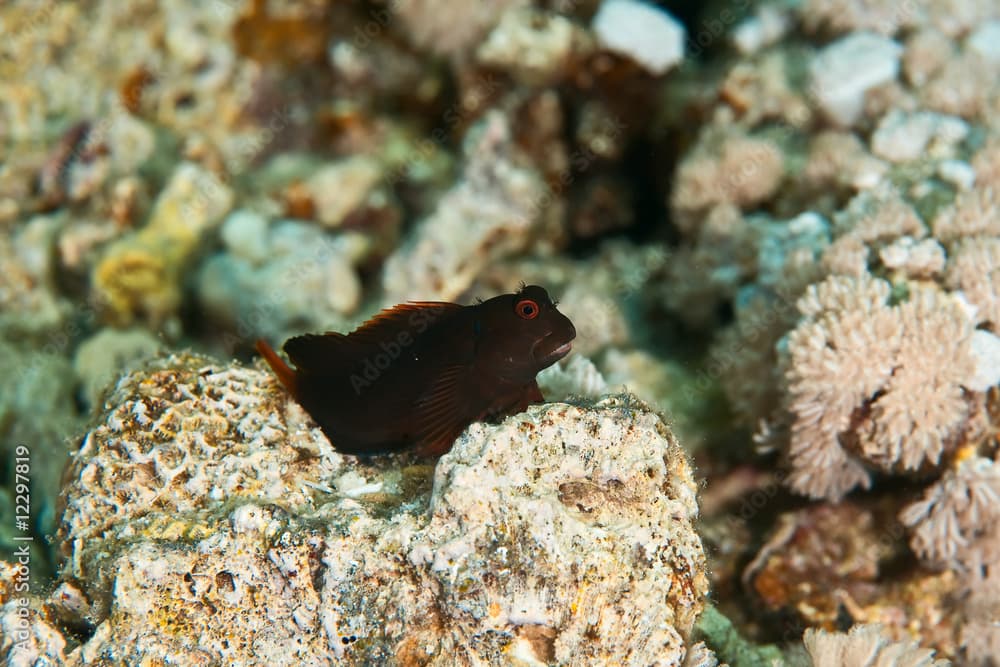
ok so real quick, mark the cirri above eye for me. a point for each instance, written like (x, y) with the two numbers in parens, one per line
(527, 309)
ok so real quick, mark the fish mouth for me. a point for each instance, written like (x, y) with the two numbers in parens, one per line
(549, 357)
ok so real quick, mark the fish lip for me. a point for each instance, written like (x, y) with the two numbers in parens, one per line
(561, 351)
(553, 355)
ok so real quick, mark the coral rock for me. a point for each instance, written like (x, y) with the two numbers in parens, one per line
(104, 357)
(29, 300)
(26, 636)
(340, 189)
(209, 521)
(575, 376)
(904, 137)
(732, 169)
(447, 28)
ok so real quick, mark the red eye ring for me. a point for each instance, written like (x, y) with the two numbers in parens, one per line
(526, 309)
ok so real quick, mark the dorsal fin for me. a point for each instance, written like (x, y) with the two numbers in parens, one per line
(414, 317)
(333, 353)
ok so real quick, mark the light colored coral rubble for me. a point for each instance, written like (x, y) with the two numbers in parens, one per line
(341, 189)
(535, 46)
(63, 64)
(888, 17)
(27, 638)
(494, 210)
(902, 137)
(207, 520)
(278, 279)
(29, 301)
(447, 28)
(574, 377)
(729, 168)
(102, 358)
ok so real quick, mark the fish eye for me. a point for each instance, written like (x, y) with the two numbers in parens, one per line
(526, 309)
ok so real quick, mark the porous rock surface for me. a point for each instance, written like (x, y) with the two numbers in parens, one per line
(208, 521)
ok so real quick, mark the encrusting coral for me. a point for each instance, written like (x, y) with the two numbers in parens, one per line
(206, 519)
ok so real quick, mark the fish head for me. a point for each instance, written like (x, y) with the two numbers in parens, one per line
(521, 334)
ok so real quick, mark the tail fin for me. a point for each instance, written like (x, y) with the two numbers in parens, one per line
(285, 374)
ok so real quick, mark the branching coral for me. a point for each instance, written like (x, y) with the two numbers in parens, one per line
(974, 268)
(973, 213)
(955, 523)
(865, 646)
(873, 384)
(980, 636)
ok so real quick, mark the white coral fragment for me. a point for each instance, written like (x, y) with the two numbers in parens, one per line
(641, 31)
(903, 137)
(986, 354)
(915, 258)
(985, 41)
(577, 376)
(847, 69)
(533, 45)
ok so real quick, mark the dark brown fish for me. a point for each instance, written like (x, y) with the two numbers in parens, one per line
(414, 376)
